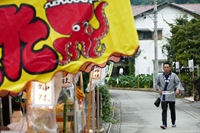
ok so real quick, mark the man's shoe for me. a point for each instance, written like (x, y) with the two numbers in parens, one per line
(173, 125)
(163, 127)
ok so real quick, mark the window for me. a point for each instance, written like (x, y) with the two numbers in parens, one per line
(145, 35)
(148, 35)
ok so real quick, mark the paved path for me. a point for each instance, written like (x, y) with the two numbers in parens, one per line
(139, 115)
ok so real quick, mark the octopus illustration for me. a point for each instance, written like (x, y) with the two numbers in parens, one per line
(72, 17)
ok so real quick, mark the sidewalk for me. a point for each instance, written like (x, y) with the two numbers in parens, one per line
(195, 104)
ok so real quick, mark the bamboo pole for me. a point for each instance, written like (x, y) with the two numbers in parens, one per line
(65, 116)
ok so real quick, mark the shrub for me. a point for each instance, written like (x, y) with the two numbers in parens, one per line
(107, 107)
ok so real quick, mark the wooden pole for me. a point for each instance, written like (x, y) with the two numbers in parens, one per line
(193, 83)
(149, 82)
(93, 111)
(1, 113)
(28, 105)
(64, 108)
(75, 110)
(10, 107)
(122, 80)
(89, 102)
(193, 76)
(81, 81)
(81, 85)
(98, 110)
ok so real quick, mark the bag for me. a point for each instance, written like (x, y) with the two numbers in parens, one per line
(157, 102)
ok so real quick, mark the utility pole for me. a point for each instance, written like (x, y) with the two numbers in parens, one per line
(155, 44)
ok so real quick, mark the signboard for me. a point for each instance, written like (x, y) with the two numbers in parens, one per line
(43, 93)
(67, 81)
(191, 65)
(96, 73)
(177, 67)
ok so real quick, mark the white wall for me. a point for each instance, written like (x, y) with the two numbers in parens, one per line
(144, 63)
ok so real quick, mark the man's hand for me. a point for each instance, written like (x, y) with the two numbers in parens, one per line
(160, 91)
(177, 92)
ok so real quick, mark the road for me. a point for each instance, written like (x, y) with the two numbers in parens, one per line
(138, 114)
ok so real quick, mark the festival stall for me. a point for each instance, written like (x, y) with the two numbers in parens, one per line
(45, 45)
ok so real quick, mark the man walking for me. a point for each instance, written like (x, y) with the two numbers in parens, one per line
(168, 85)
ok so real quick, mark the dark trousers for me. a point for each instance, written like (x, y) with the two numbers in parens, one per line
(164, 112)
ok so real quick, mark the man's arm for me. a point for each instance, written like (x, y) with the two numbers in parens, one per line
(178, 85)
(158, 88)
(159, 91)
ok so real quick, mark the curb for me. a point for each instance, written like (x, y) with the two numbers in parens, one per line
(189, 99)
(195, 104)
(133, 89)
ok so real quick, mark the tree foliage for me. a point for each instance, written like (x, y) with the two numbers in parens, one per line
(131, 63)
(184, 43)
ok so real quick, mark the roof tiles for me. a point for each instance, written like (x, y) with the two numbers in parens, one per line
(194, 8)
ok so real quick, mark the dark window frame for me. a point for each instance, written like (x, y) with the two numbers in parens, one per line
(148, 35)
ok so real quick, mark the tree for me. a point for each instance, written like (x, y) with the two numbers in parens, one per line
(131, 63)
(184, 43)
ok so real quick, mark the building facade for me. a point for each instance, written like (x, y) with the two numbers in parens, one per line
(144, 21)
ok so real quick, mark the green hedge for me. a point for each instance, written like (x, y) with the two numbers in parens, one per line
(139, 81)
(107, 107)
